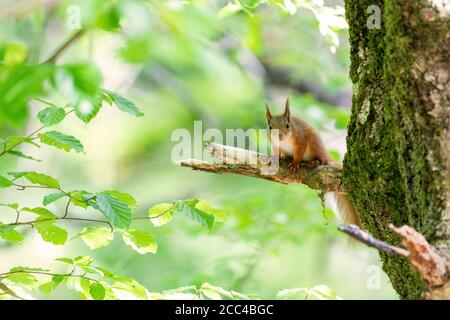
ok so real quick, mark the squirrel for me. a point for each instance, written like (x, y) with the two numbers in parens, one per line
(295, 137)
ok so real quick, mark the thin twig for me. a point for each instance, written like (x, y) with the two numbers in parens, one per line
(4, 148)
(30, 136)
(362, 236)
(17, 216)
(66, 211)
(50, 274)
(59, 218)
(157, 216)
(77, 35)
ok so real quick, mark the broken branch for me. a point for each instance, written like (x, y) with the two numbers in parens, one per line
(425, 260)
(431, 266)
(362, 236)
(229, 159)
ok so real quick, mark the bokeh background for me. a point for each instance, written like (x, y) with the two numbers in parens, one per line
(181, 61)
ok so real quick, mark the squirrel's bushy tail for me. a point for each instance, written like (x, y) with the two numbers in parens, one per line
(346, 209)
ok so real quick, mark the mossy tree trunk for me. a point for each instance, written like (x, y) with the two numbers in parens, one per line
(397, 166)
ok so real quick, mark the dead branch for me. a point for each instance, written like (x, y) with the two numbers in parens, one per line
(249, 163)
(362, 236)
(431, 267)
(425, 260)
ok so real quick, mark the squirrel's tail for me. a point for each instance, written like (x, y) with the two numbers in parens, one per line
(346, 209)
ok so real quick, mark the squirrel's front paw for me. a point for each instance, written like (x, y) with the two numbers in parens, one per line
(294, 166)
(313, 163)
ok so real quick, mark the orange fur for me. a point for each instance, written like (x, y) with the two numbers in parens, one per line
(300, 140)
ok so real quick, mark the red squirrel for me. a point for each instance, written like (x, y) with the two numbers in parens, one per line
(295, 137)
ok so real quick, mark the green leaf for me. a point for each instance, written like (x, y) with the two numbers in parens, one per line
(321, 292)
(51, 115)
(51, 284)
(10, 205)
(4, 183)
(9, 234)
(141, 241)
(187, 208)
(96, 237)
(115, 210)
(124, 197)
(83, 261)
(107, 98)
(228, 10)
(198, 210)
(37, 178)
(86, 110)
(218, 214)
(65, 260)
(109, 18)
(17, 86)
(80, 198)
(22, 278)
(51, 233)
(42, 180)
(109, 275)
(26, 269)
(80, 285)
(20, 154)
(97, 291)
(52, 197)
(124, 104)
(61, 141)
(216, 293)
(15, 54)
(125, 287)
(13, 141)
(15, 291)
(286, 294)
(161, 214)
(78, 81)
(43, 213)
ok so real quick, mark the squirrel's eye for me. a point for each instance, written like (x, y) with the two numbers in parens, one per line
(287, 125)
(270, 127)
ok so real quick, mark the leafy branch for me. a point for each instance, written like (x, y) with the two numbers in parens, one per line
(70, 274)
(93, 282)
(29, 138)
(65, 217)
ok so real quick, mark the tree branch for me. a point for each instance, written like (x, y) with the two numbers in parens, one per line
(431, 266)
(250, 163)
(362, 236)
(77, 35)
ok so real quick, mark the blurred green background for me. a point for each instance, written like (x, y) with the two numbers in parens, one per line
(181, 61)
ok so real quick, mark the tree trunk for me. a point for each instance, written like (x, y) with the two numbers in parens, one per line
(397, 167)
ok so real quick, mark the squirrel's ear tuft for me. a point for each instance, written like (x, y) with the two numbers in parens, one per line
(287, 111)
(268, 114)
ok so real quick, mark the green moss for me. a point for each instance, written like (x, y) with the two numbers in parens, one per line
(386, 171)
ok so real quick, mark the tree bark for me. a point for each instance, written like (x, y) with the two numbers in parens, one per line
(397, 167)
